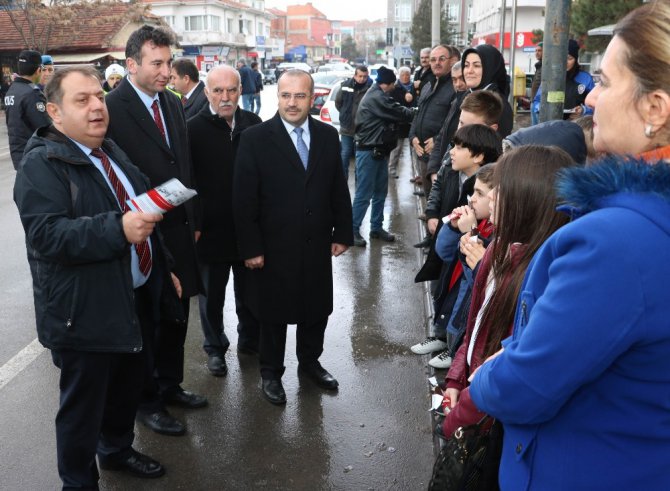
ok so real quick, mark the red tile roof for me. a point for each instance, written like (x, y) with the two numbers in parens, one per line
(308, 9)
(75, 28)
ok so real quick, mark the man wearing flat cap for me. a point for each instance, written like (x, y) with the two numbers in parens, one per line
(25, 105)
(376, 135)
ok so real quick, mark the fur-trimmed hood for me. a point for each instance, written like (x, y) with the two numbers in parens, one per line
(616, 181)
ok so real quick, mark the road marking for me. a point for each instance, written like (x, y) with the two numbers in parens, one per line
(20, 361)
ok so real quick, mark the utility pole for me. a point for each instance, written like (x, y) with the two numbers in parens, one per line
(503, 11)
(554, 58)
(435, 23)
(512, 55)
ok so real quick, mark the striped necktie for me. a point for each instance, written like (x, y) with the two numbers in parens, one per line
(303, 151)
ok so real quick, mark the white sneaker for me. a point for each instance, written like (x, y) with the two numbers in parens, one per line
(428, 346)
(441, 361)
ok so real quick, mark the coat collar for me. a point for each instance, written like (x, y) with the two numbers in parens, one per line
(618, 181)
(138, 111)
(282, 139)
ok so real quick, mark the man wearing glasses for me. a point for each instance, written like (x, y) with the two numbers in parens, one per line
(25, 104)
(222, 120)
(434, 103)
(292, 214)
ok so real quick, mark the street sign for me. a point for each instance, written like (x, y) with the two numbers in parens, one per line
(389, 36)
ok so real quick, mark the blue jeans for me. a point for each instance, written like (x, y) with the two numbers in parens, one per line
(248, 102)
(372, 180)
(257, 102)
(534, 118)
(347, 151)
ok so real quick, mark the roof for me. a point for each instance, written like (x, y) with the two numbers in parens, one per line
(277, 12)
(103, 22)
(304, 40)
(229, 3)
(309, 9)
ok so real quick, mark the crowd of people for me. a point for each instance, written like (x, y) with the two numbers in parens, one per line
(545, 248)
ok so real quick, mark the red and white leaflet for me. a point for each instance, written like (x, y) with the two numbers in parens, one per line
(162, 198)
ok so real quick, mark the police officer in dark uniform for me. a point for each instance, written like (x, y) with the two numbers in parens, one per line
(25, 104)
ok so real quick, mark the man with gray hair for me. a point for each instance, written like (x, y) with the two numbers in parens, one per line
(248, 84)
(221, 121)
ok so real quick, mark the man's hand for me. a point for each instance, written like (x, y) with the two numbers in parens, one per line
(473, 252)
(138, 226)
(467, 219)
(337, 249)
(177, 284)
(432, 225)
(255, 262)
(416, 144)
(408, 97)
(417, 84)
(428, 145)
(198, 234)
(433, 178)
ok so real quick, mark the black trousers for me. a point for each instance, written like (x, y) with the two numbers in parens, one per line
(215, 275)
(163, 344)
(99, 396)
(309, 346)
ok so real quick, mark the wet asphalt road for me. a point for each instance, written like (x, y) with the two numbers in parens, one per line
(373, 434)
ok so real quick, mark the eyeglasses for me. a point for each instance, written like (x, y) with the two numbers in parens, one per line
(441, 59)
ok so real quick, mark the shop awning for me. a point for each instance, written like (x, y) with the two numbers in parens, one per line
(86, 57)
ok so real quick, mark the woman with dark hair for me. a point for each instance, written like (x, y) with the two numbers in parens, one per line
(578, 84)
(523, 212)
(484, 69)
(582, 387)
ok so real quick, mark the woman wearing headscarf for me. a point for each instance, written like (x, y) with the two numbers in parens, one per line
(583, 385)
(484, 69)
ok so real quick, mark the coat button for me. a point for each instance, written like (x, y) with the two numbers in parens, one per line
(172, 162)
(309, 212)
(519, 448)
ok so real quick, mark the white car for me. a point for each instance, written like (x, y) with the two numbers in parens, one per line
(329, 113)
(336, 67)
(372, 70)
(300, 66)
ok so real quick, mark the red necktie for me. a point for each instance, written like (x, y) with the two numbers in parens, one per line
(143, 251)
(184, 100)
(157, 119)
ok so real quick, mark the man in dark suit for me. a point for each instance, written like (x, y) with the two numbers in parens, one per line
(148, 123)
(98, 271)
(185, 78)
(292, 213)
(221, 121)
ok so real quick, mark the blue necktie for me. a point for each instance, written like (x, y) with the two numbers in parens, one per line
(303, 151)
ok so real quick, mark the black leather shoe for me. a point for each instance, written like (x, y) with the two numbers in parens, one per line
(184, 398)
(137, 464)
(319, 376)
(216, 364)
(161, 422)
(382, 234)
(424, 243)
(273, 391)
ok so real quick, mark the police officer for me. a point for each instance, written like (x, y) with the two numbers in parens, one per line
(25, 105)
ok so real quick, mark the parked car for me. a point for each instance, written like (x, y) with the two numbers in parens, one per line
(269, 76)
(336, 67)
(329, 113)
(323, 85)
(372, 70)
(300, 66)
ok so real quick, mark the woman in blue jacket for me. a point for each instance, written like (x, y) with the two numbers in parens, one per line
(583, 385)
(578, 84)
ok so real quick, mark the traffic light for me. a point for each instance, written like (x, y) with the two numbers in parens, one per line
(389, 36)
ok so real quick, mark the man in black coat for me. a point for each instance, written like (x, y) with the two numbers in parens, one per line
(185, 78)
(148, 123)
(221, 121)
(98, 273)
(292, 213)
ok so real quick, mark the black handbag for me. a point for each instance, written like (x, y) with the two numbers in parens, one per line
(470, 459)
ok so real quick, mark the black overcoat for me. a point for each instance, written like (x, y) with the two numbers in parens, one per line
(133, 128)
(290, 216)
(213, 150)
(196, 102)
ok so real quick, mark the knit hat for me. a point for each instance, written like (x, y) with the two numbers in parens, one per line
(47, 60)
(114, 69)
(29, 61)
(573, 48)
(385, 76)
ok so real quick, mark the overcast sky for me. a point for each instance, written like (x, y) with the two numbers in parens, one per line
(340, 9)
